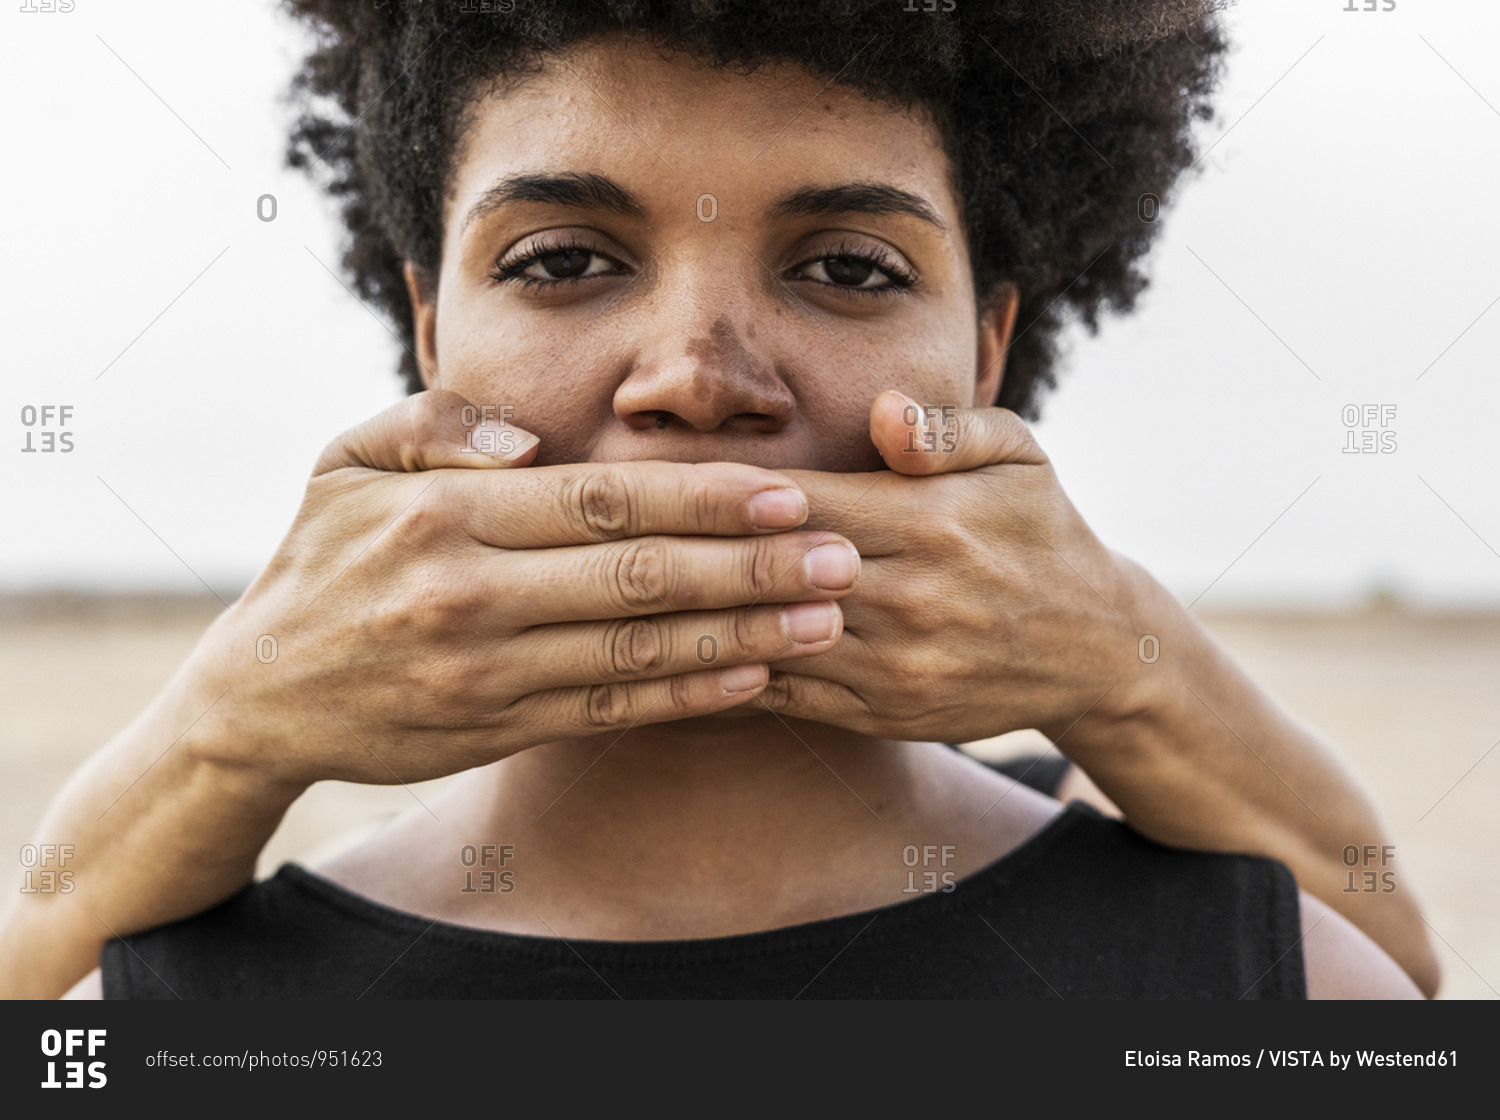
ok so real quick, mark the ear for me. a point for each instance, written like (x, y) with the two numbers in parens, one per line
(997, 321)
(424, 323)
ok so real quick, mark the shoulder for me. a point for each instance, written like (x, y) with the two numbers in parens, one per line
(1131, 918)
(244, 946)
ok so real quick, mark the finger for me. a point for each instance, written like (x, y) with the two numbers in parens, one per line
(812, 698)
(585, 503)
(428, 431)
(656, 574)
(592, 709)
(670, 645)
(941, 439)
(880, 510)
(884, 511)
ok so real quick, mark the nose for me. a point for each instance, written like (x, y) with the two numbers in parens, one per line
(706, 380)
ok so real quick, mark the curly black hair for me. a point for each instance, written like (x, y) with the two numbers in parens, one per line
(1066, 122)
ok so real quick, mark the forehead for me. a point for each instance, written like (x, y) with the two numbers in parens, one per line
(675, 124)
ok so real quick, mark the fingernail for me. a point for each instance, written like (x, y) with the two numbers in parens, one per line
(809, 622)
(832, 567)
(500, 442)
(778, 509)
(742, 678)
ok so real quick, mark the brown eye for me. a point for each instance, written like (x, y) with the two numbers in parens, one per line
(549, 266)
(857, 271)
(567, 264)
(848, 270)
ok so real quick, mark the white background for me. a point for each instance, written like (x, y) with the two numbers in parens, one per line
(1338, 243)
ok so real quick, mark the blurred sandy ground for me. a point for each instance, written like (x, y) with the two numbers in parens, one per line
(1411, 699)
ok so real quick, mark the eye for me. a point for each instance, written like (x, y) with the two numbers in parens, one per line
(865, 270)
(549, 265)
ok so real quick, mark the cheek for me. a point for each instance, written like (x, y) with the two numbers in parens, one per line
(543, 377)
(838, 431)
(939, 363)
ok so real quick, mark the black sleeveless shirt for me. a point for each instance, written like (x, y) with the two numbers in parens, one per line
(1085, 908)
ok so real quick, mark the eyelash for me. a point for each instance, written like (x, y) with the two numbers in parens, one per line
(901, 279)
(514, 273)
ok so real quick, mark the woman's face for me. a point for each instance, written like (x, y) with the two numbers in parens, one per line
(646, 258)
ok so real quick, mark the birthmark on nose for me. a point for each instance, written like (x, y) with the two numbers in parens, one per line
(727, 368)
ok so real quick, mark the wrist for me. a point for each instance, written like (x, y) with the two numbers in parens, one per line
(1138, 696)
(225, 735)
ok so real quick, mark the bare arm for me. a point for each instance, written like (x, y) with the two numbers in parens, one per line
(395, 562)
(1210, 761)
(987, 604)
(186, 837)
(1342, 963)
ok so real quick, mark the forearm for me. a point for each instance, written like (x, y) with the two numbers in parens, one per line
(150, 830)
(1206, 759)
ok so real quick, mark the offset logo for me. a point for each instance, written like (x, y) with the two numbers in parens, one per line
(74, 1045)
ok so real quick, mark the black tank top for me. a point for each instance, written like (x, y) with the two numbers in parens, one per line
(1085, 908)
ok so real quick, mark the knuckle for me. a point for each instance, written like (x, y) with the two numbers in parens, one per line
(741, 634)
(1009, 419)
(402, 621)
(332, 457)
(601, 499)
(604, 706)
(676, 699)
(639, 570)
(416, 527)
(1018, 436)
(633, 647)
(765, 564)
(455, 606)
(456, 689)
(779, 693)
(394, 624)
(326, 487)
(701, 501)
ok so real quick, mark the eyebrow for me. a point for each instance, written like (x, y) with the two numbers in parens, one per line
(855, 198)
(590, 191)
(580, 190)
